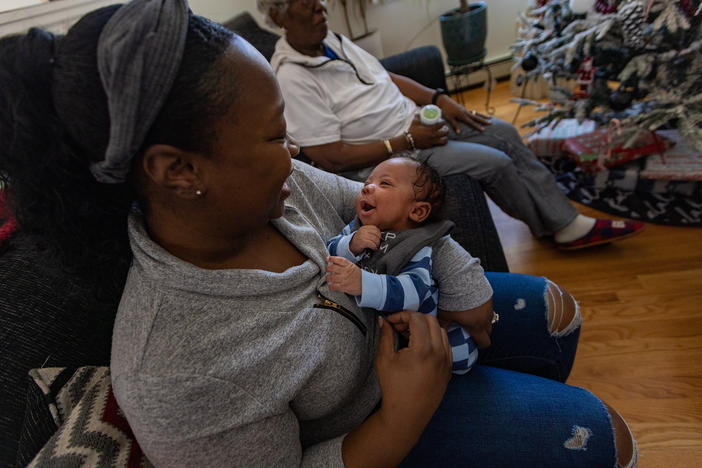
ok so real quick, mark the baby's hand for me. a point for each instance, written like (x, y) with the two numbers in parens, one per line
(367, 237)
(344, 276)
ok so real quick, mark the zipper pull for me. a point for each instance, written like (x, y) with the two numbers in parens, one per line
(327, 302)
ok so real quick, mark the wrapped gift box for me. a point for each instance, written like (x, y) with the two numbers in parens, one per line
(593, 152)
(681, 162)
(549, 140)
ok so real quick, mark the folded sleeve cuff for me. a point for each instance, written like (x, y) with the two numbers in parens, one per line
(373, 290)
(476, 296)
(343, 250)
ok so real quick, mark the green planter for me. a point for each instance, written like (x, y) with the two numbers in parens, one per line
(463, 34)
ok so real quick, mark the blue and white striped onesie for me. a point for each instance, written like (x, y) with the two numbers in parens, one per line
(413, 288)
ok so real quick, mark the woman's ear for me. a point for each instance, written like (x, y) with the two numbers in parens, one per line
(420, 211)
(173, 170)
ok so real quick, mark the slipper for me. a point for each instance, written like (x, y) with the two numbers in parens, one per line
(603, 232)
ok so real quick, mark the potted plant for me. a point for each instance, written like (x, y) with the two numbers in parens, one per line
(463, 32)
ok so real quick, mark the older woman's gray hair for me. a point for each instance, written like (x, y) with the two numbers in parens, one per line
(265, 6)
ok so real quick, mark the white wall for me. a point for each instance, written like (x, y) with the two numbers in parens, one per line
(398, 20)
(7, 5)
(55, 16)
(58, 16)
(401, 20)
(222, 10)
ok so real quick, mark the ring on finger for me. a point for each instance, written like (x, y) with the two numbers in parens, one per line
(495, 317)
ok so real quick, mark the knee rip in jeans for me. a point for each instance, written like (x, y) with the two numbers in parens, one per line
(580, 436)
(578, 439)
(563, 314)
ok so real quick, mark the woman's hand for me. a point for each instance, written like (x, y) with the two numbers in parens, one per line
(413, 379)
(477, 322)
(454, 113)
(428, 136)
(366, 237)
(344, 276)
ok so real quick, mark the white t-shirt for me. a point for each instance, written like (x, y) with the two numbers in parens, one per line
(351, 99)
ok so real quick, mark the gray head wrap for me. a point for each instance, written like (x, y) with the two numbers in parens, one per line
(139, 53)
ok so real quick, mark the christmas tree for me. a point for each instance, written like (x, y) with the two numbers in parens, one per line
(636, 63)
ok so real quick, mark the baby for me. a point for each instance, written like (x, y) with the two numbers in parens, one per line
(384, 256)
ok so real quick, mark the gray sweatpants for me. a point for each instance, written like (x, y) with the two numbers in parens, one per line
(508, 172)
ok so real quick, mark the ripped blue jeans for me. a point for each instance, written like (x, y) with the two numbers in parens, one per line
(513, 410)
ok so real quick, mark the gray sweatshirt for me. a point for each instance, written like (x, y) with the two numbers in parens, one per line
(254, 368)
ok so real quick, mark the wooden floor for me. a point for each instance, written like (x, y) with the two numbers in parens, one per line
(641, 343)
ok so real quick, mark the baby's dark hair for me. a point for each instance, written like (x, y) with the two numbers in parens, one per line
(429, 187)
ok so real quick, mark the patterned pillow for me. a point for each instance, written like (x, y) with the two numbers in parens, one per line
(92, 430)
(8, 224)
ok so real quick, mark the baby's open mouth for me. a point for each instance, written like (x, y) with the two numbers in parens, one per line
(366, 207)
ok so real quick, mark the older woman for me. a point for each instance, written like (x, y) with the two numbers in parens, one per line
(349, 114)
(229, 349)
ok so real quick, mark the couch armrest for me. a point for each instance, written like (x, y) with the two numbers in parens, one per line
(245, 26)
(475, 229)
(45, 321)
(422, 64)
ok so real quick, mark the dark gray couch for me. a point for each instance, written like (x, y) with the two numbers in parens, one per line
(46, 322)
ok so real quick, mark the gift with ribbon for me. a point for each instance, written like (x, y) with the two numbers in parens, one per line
(549, 140)
(606, 147)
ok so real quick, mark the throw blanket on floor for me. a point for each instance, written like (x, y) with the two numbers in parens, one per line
(621, 191)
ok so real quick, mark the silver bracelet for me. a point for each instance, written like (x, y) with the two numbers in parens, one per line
(410, 141)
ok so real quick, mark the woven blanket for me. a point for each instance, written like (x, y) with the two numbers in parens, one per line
(623, 192)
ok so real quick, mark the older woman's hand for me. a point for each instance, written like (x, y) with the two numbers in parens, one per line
(428, 136)
(413, 379)
(454, 113)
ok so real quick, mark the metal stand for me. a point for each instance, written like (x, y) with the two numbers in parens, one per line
(458, 81)
(525, 83)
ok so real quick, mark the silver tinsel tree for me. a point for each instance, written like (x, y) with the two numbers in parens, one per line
(646, 54)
